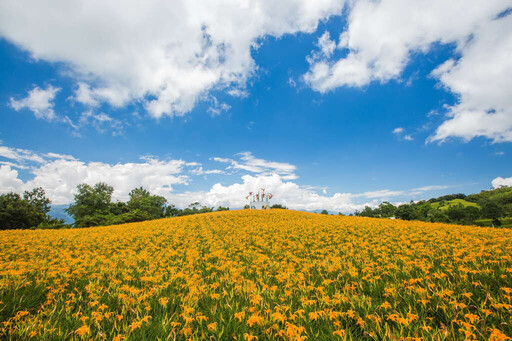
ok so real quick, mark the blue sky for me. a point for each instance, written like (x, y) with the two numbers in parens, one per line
(304, 106)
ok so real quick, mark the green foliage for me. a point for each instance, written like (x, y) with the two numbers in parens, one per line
(455, 208)
(221, 208)
(90, 202)
(445, 205)
(279, 206)
(324, 212)
(152, 206)
(405, 212)
(93, 206)
(29, 211)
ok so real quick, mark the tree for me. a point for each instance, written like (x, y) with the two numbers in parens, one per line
(153, 206)
(25, 212)
(491, 210)
(386, 210)
(37, 198)
(456, 213)
(91, 203)
(405, 212)
(367, 212)
(324, 212)
(172, 211)
(221, 208)
(279, 206)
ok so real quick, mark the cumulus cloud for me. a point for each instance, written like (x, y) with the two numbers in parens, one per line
(502, 182)
(249, 163)
(287, 193)
(60, 177)
(398, 131)
(167, 54)
(9, 181)
(482, 80)
(84, 95)
(381, 37)
(59, 174)
(39, 101)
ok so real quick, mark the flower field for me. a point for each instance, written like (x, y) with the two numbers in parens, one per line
(258, 275)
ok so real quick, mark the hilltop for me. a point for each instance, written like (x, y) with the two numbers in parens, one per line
(266, 275)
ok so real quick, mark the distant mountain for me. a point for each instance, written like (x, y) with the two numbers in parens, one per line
(57, 211)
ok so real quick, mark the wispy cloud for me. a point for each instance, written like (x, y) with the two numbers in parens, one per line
(39, 101)
(249, 163)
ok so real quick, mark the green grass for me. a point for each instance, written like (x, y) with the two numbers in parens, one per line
(506, 222)
(454, 202)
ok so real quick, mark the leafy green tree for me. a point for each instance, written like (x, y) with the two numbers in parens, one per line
(278, 206)
(37, 198)
(91, 203)
(436, 216)
(324, 212)
(172, 211)
(152, 205)
(386, 210)
(17, 213)
(405, 212)
(221, 208)
(367, 212)
(25, 212)
(491, 210)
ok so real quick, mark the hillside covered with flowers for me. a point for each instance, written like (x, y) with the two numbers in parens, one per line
(258, 275)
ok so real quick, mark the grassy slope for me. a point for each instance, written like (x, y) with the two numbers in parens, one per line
(454, 202)
(272, 274)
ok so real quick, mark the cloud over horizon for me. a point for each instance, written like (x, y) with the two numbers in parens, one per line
(59, 174)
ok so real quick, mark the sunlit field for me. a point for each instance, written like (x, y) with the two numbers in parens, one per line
(258, 275)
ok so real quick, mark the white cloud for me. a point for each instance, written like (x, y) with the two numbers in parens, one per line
(431, 188)
(39, 101)
(201, 171)
(482, 80)
(84, 95)
(13, 165)
(261, 167)
(326, 45)
(59, 156)
(217, 108)
(167, 54)
(287, 193)
(59, 174)
(398, 130)
(382, 194)
(20, 155)
(408, 138)
(382, 35)
(60, 177)
(501, 182)
(100, 122)
(9, 181)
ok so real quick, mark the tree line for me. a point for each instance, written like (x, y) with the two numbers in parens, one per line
(487, 208)
(92, 206)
